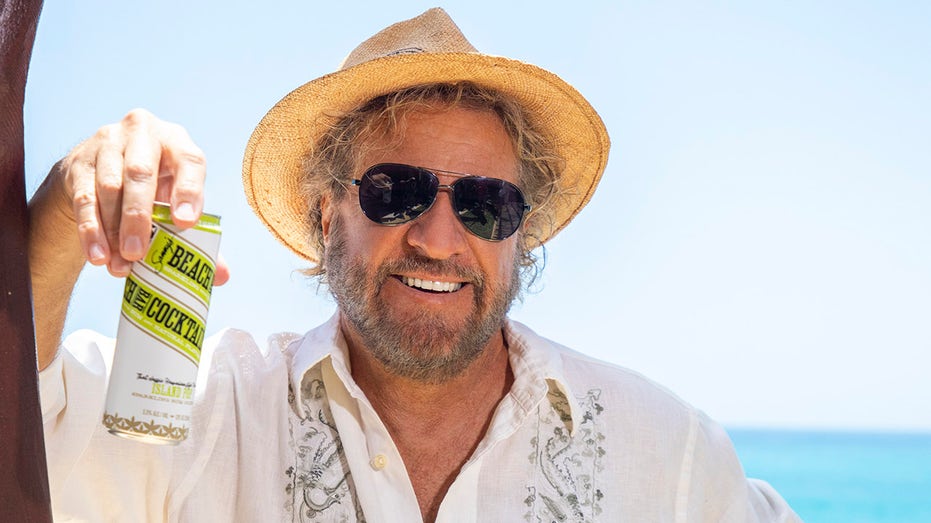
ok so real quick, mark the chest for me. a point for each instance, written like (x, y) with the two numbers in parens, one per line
(540, 471)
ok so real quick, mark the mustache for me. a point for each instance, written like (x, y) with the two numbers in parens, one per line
(417, 263)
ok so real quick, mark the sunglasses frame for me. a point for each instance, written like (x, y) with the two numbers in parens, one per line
(450, 188)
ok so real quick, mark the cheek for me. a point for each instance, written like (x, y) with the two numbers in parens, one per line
(500, 259)
(363, 238)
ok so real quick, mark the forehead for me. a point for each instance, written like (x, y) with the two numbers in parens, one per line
(452, 139)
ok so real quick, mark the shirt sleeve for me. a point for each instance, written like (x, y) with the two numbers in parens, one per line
(714, 486)
(95, 476)
(79, 372)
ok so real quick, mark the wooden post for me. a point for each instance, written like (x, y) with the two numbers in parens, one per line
(24, 491)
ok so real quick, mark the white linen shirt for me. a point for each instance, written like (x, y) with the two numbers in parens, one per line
(285, 434)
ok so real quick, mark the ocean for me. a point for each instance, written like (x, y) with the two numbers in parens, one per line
(843, 477)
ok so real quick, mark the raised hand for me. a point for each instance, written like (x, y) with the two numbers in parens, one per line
(113, 178)
(96, 205)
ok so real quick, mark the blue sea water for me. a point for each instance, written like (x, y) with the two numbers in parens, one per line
(843, 477)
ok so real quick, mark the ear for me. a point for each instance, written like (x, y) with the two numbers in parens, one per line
(326, 216)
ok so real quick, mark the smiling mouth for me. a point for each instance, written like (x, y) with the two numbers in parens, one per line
(431, 286)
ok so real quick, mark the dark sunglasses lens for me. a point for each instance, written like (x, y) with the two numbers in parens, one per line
(492, 209)
(392, 194)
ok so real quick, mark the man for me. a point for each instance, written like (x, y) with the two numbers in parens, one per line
(417, 179)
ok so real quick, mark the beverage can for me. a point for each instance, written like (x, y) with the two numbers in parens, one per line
(161, 332)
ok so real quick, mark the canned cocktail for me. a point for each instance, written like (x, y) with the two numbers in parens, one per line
(161, 332)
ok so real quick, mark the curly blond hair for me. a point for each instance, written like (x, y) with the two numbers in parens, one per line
(332, 162)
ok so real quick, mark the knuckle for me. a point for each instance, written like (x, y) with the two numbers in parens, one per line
(84, 198)
(138, 171)
(83, 163)
(137, 116)
(134, 218)
(181, 145)
(187, 187)
(88, 229)
(194, 155)
(109, 185)
(135, 214)
(108, 133)
(75, 169)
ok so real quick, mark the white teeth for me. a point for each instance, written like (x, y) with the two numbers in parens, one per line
(427, 285)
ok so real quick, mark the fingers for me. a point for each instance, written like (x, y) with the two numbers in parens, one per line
(93, 239)
(222, 273)
(140, 177)
(108, 183)
(114, 178)
(187, 167)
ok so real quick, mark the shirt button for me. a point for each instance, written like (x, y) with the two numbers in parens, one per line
(379, 462)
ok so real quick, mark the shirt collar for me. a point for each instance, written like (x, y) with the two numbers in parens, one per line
(535, 361)
(537, 364)
(319, 345)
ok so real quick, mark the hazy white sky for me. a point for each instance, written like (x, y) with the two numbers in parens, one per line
(760, 242)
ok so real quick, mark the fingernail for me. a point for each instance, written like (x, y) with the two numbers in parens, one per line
(119, 267)
(96, 253)
(185, 212)
(132, 247)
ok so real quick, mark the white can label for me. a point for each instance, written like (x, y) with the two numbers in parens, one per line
(161, 332)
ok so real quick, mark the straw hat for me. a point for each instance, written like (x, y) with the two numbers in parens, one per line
(422, 50)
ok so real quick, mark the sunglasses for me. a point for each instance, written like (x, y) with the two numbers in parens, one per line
(394, 193)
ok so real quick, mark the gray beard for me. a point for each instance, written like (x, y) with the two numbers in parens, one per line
(423, 347)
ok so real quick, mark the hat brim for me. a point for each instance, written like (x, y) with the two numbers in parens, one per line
(279, 145)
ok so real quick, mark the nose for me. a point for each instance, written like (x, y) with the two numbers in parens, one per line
(438, 233)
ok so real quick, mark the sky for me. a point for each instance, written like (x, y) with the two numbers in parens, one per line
(760, 243)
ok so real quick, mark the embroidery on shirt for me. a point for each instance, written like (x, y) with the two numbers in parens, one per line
(566, 467)
(320, 486)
